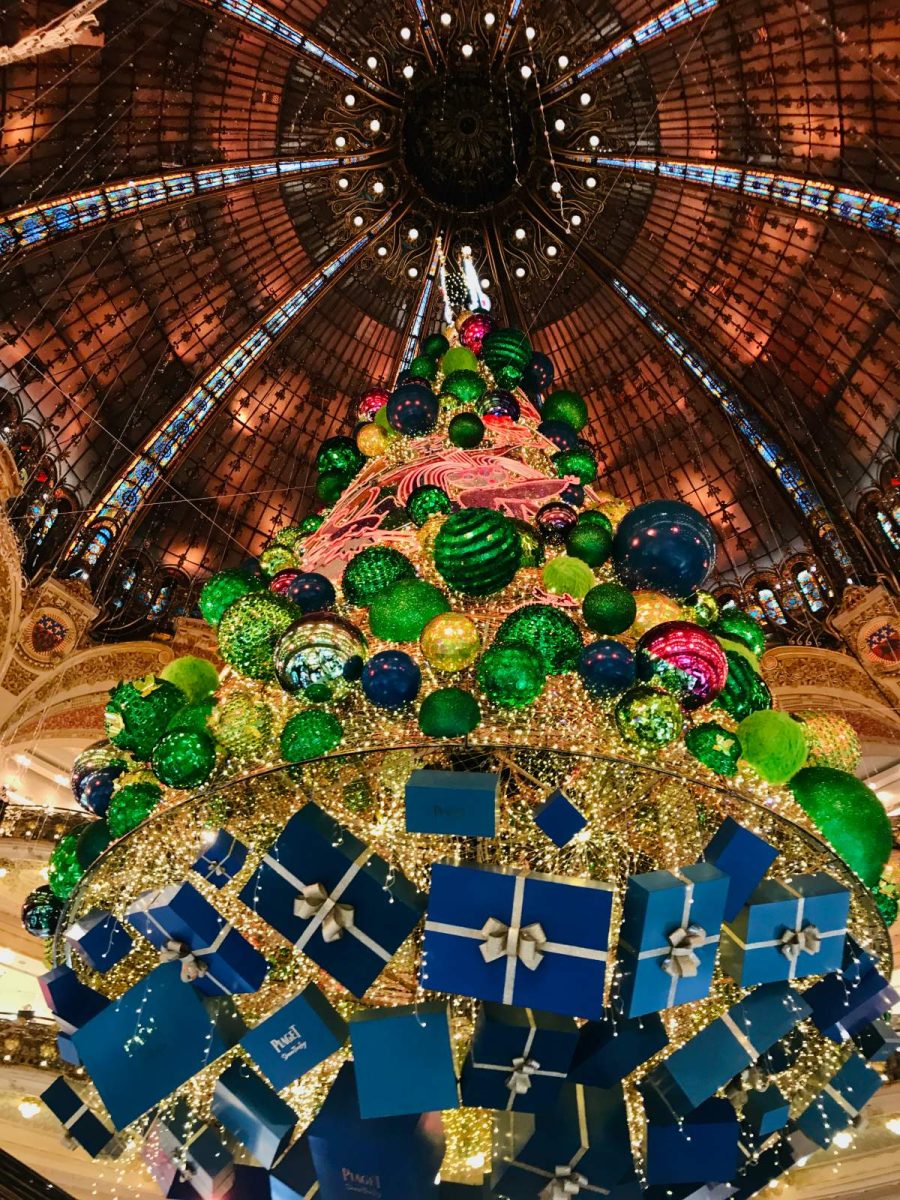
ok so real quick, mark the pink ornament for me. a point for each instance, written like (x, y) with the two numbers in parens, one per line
(474, 330)
(683, 659)
(371, 401)
(280, 582)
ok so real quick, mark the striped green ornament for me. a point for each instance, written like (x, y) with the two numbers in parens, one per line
(507, 352)
(477, 551)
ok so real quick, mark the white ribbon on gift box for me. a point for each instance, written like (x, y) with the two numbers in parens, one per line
(792, 942)
(520, 944)
(522, 1067)
(564, 1180)
(217, 865)
(76, 1116)
(168, 955)
(840, 1100)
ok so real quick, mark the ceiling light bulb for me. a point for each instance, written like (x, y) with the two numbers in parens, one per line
(377, 187)
(467, 50)
(350, 99)
(594, 141)
(530, 32)
(413, 272)
(375, 125)
(576, 219)
(340, 141)
(585, 99)
(893, 1126)
(485, 283)
(489, 19)
(590, 182)
(406, 33)
(371, 62)
(525, 71)
(408, 71)
(29, 1109)
(520, 233)
(563, 61)
(382, 251)
(357, 220)
(467, 249)
(551, 251)
(445, 19)
(556, 186)
(413, 234)
(343, 183)
(843, 1139)
(559, 124)
(520, 272)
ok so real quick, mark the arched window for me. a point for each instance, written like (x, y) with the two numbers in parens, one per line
(771, 606)
(809, 587)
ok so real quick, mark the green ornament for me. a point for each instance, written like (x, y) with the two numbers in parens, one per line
(193, 717)
(223, 589)
(477, 551)
(249, 630)
(579, 462)
(41, 912)
(507, 353)
(458, 358)
(138, 713)
(196, 677)
(401, 611)
(330, 485)
(448, 713)
(381, 420)
(92, 841)
(565, 405)
(371, 571)
(340, 454)
(64, 870)
(567, 576)
(703, 609)
(512, 676)
(274, 559)
(609, 608)
(715, 746)
(131, 805)
(311, 523)
(426, 500)
(466, 430)
(648, 717)
(849, 816)
(423, 367)
(591, 543)
(288, 537)
(740, 649)
(774, 744)
(310, 734)
(744, 692)
(466, 386)
(739, 626)
(887, 900)
(184, 758)
(593, 517)
(435, 345)
(547, 630)
(533, 552)
(243, 725)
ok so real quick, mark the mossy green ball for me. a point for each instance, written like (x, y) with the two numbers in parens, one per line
(849, 816)
(196, 677)
(609, 608)
(401, 611)
(466, 430)
(591, 543)
(568, 576)
(448, 713)
(773, 743)
(310, 734)
(458, 358)
(565, 405)
(579, 462)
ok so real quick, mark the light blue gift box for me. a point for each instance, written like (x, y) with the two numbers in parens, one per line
(744, 857)
(296, 1037)
(463, 803)
(669, 937)
(253, 1112)
(839, 1103)
(789, 930)
(404, 1060)
(100, 939)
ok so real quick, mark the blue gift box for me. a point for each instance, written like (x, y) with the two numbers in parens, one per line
(689, 1191)
(669, 937)
(79, 1122)
(186, 928)
(250, 1183)
(877, 1041)
(789, 930)
(559, 819)
(334, 898)
(65, 1048)
(394, 1158)
(856, 961)
(745, 858)
(99, 939)
(518, 1060)
(764, 1113)
(452, 802)
(295, 1038)
(840, 1102)
(72, 1002)
(611, 1048)
(404, 1060)
(701, 1148)
(253, 1112)
(293, 1177)
(221, 859)
(695, 1071)
(193, 1150)
(841, 1006)
(538, 941)
(761, 1165)
(151, 1040)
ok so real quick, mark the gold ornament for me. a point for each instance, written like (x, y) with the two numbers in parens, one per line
(450, 641)
(372, 440)
(652, 609)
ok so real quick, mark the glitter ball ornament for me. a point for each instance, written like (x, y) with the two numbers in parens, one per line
(413, 409)
(609, 608)
(63, 870)
(319, 657)
(500, 405)
(435, 345)
(223, 589)
(506, 353)
(652, 608)
(391, 679)
(606, 667)
(194, 717)
(538, 375)
(448, 713)
(567, 576)
(648, 717)
(561, 434)
(243, 725)
(371, 401)
(774, 744)
(311, 523)
(578, 462)
(371, 571)
(423, 367)
(371, 440)
(95, 790)
(512, 676)
(426, 500)
(130, 806)
(280, 583)
(477, 551)
(702, 608)
(401, 612)
(533, 553)
(330, 485)
(91, 840)
(249, 630)
(664, 545)
(290, 536)
(450, 642)
(849, 816)
(275, 559)
(591, 543)
(739, 626)
(744, 691)
(475, 329)
(715, 746)
(554, 522)
(41, 912)
(339, 454)
(458, 358)
(683, 659)
(593, 518)
(466, 386)
(184, 759)
(831, 741)
(547, 630)
(310, 734)
(566, 406)
(196, 677)
(466, 430)
(887, 900)
(138, 712)
(94, 758)
(311, 592)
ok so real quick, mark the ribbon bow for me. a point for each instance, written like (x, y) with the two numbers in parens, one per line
(524, 942)
(794, 942)
(566, 1182)
(682, 963)
(520, 1080)
(192, 967)
(315, 901)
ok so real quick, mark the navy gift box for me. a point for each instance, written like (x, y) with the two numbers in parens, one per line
(221, 860)
(403, 1058)
(83, 1125)
(559, 819)
(293, 1177)
(841, 1006)
(99, 939)
(295, 1038)
(334, 898)
(669, 937)
(187, 1146)
(518, 1060)
(702, 1148)
(840, 1102)
(253, 1112)
(65, 1048)
(462, 1191)
(151, 1040)
(395, 1158)
(72, 1002)
(452, 802)
(789, 930)
(878, 1041)
(764, 1113)
(611, 1048)
(760, 1168)
(539, 941)
(745, 858)
(695, 1071)
(250, 1183)
(186, 928)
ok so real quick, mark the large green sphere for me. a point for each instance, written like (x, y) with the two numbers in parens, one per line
(330, 486)
(371, 571)
(426, 500)
(310, 734)
(849, 816)
(401, 611)
(311, 523)
(139, 712)
(477, 551)
(773, 743)
(184, 759)
(744, 692)
(243, 724)
(223, 589)
(92, 841)
(249, 630)
(466, 430)
(131, 805)
(340, 454)
(609, 608)
(715, 746)
(193, 717)
(465, 386)
(579, 462)
(739, 626)
(592, 517)
(565, 405)
(196, 677)
(507, 353)
(448, 713)
(547, 630)
(649, 717)
(511, 676)
(64, 870)
(458, 359)
(423, 367)
(591, 543)
(434, 345)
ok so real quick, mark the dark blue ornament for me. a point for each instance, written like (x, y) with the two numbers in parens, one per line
(311, 592)
(560, 433)
(406, 377)
(391, 679)
(555, 521)
(666, 546)
(95, 790)
(573, 493)
(538, 374)
(606, 667)
(41, 912)
(498, 403)
(251, 567)
(412, 409)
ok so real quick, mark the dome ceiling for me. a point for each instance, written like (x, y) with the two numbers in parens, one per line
(570, 160)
